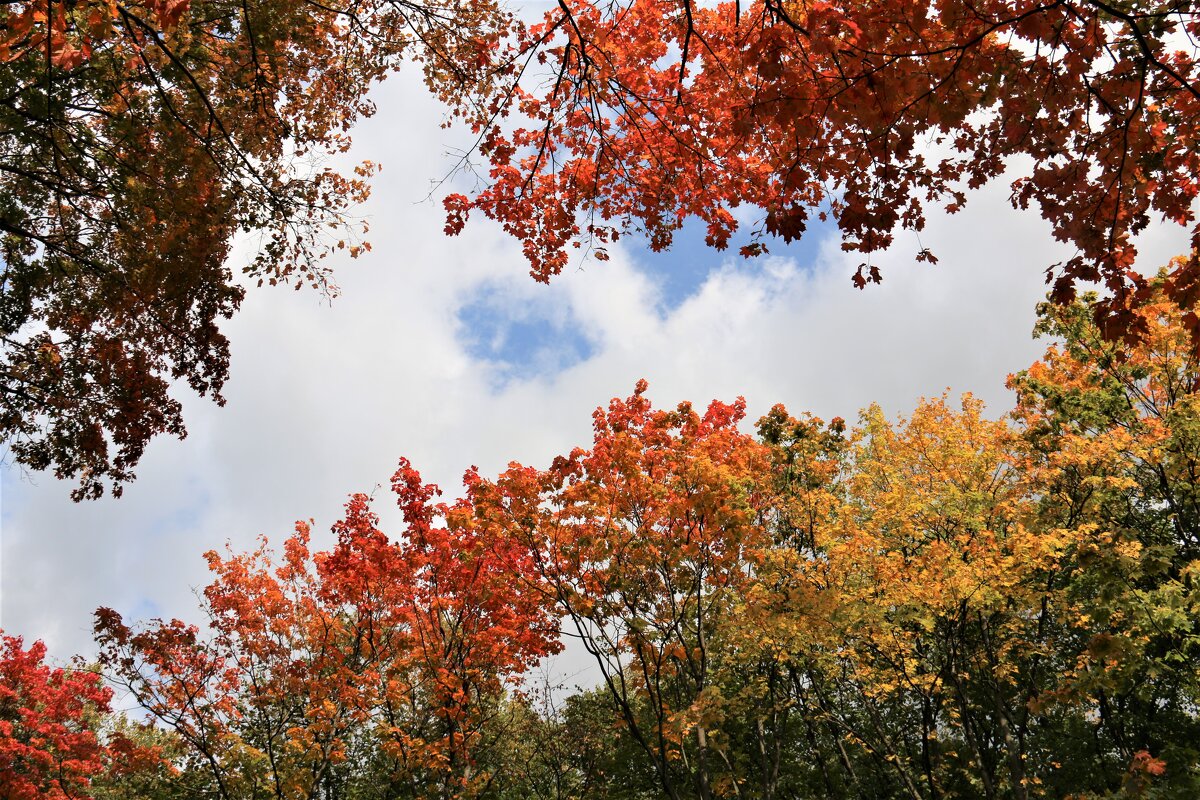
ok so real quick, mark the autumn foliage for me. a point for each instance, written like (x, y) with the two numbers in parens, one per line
(936, 605)
(378, 660)
(53, 745)
(633, 116)
(139, 138)
(645, 543)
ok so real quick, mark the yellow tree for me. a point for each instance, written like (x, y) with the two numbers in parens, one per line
(1115, 436)
(914, 619)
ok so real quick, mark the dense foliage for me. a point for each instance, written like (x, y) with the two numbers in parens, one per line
(137, 139)
(942, 605)
(54, 739)
(641, 113)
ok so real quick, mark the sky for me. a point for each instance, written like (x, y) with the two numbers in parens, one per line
(444, 351)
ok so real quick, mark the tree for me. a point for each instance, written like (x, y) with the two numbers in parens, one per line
(865, 113)
(139, 138)
(52, 745)
(642, 544)
(374, 670)
(1115, 453)
(915, 626)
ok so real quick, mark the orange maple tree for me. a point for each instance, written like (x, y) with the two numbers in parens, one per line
(393, 653)
(643, 544)
(865, 113)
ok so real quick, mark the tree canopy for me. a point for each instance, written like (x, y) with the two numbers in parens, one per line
(931, 606)
(139, 139)
(633, 116)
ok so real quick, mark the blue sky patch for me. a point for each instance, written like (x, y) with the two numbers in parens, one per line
(522, 337)
(145, 608)
(682, 270)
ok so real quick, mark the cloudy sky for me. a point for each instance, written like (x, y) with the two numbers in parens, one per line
(444, 351)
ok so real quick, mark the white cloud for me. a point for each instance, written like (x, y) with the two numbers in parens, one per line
(324, 398)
